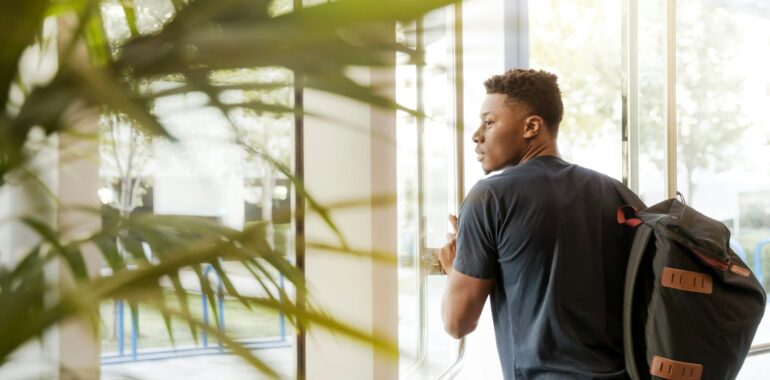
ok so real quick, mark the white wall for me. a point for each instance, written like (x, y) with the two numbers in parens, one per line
(343, 162)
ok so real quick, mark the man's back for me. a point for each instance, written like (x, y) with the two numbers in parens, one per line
(546, 231)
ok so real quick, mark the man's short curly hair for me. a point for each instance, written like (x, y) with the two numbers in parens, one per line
(536, 89)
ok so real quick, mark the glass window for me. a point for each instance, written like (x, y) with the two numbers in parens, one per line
(207, 175)
(438, 170)
(579, 41)
(723, 140)
(426, 185)
(651, 110)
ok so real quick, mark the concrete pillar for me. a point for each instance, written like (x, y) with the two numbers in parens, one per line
(346, 159)
(78, 182)
(77, 343)
(68, 168)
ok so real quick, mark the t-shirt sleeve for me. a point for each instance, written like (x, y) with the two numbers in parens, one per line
(476, 237)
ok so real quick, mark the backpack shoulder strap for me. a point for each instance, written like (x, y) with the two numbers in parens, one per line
(629, 197)
(639, 246)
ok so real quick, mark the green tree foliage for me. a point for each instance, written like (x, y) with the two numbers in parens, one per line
(710, 111)
(710, 119)
(580, 40)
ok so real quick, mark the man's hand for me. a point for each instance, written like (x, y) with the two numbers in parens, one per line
(446, 255)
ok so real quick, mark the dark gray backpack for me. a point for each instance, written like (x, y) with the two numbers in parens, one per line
(691, 307)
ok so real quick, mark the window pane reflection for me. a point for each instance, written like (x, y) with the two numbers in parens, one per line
(723, 145)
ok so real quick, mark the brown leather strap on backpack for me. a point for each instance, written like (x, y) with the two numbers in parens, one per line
(686, 280)
(675, 370)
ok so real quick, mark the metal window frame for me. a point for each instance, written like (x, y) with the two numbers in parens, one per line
(516, 39)
(428, 264)
(299, 207)
(630, 93)
(459, 118)
(670, 99)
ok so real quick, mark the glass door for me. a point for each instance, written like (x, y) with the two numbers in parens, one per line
(427, 190)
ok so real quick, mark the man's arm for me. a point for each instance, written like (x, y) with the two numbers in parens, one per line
(464, 297)
(463, 302)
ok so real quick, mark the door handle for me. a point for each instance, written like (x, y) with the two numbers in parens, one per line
(457, 366)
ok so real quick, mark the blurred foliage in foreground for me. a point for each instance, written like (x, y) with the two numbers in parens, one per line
(196, 47)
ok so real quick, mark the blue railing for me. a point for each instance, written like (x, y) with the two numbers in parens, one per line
(738, 248)
(758, 271)
(205, 310)
(758, 260)
(204, 349)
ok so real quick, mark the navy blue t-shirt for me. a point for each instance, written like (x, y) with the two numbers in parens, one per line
(546, 231)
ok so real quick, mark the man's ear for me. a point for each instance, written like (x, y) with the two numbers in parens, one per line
(533, 126)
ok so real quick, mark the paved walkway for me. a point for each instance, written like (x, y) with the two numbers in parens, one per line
(217, 367)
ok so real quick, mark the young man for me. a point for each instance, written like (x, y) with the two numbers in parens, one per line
(541, 239)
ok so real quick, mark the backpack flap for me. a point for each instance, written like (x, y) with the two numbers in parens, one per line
(706, 239)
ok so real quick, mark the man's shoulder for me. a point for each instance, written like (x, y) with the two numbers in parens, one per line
(483, 190)
(569, 175)
(598, 176)
(580, 172)
(528, 176)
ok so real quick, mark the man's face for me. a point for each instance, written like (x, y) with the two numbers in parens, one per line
(500, 139)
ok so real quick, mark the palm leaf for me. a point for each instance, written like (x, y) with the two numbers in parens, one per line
(181, 293)
(24, 19)
(71, 255)
(320, 42)
(231, 344)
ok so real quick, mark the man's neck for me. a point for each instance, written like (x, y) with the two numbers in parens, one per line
(539, 149)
